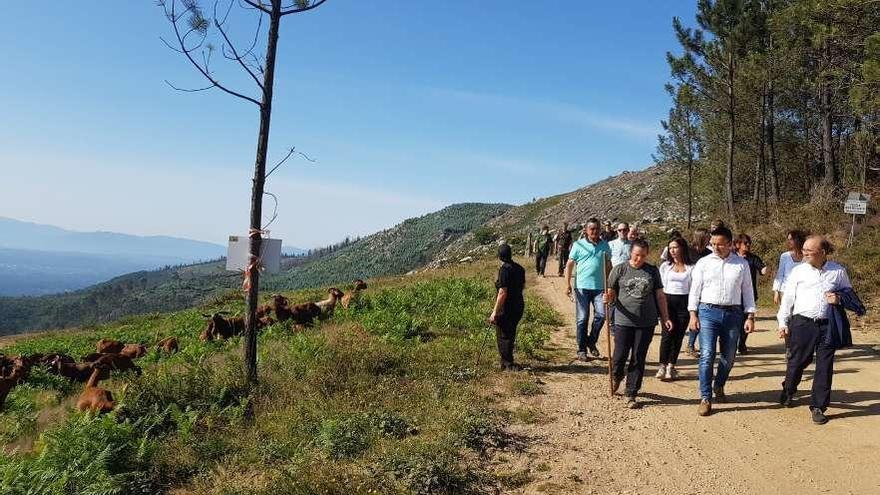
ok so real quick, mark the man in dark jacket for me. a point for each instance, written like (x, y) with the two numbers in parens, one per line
(810, 300)
(509, 306)
(563, 246)
(542, 249)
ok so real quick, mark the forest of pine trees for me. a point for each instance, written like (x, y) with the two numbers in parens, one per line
(774, 101)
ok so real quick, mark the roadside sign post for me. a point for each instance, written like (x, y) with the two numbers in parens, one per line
(855, 204)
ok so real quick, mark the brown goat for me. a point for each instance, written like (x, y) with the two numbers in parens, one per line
(329, 305)
(222, 328)
(109, 345)
(134, 351)
(263, 310)
(78, 372)
(168, 345)
(94, 398)
(305, 313)
(359, 285)
(6, 385)
(265, 321)
(116, 362)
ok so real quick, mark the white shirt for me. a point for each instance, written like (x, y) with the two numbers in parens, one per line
(804, 290)
(678, 283)
(726, 282)
(620, 249)
(786, 265)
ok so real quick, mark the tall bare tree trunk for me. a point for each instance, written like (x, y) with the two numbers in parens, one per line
(253, 293)
(771, 143)
(690, 189)
(759, 163)
(826, 110)
(731, 134)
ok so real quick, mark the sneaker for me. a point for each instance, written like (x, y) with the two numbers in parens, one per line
(718, 392)
(671, 373)
(785, 400)
(819, 417)
(705, 408)
(582, 356)
(632, 403)
(661, 372)
(594, 351)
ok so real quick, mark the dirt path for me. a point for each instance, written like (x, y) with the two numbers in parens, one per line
(590, 443)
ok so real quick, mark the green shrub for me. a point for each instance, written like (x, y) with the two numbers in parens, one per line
(84, 455)
(341, 438)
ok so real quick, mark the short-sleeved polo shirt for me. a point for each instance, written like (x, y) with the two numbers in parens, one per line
(590, 259)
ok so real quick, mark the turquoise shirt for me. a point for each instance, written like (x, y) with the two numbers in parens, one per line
(590, 263)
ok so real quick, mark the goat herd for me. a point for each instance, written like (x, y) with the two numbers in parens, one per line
(113, 355)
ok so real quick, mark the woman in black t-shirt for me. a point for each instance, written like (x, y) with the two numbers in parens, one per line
(509, 306)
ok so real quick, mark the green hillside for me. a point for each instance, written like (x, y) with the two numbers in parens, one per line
(393, 251)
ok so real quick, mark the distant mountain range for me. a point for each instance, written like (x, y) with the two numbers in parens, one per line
(37, 259)
(404, 247)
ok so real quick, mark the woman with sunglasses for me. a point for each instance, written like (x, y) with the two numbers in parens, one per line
(756, 267)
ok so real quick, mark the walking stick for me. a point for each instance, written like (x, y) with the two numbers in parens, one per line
(482, 346)
(607, 324)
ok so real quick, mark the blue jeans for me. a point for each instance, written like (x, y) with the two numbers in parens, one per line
(722, 326)
(692, 338)
(583, 299)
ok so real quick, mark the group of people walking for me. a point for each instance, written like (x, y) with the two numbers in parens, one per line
(706, 288)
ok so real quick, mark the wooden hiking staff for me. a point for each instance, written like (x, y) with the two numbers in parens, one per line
(607, 322)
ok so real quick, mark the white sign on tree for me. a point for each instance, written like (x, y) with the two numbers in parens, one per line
(238, 252)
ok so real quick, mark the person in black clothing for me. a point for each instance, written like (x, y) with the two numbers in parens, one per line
(563, 246)
(509, 306)
(756, 266)
(542, 249)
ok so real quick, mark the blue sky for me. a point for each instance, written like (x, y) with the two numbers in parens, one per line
(407, 106)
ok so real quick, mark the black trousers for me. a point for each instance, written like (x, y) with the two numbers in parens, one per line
(505, 335)
(563, 259)
(541, 261)
(632, 343)
(670, 341)
(806, 339)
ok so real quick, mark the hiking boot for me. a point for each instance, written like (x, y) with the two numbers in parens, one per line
(671, 373)
(632, 403)
(718, 392)
(819, 417)
(661, 372)
(785, 400)
(705, 408)
(511, 367)
(582, 356)
(594, 351)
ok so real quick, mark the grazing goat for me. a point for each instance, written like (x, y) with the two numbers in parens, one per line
(352, 296)
(94, 398)
(263, 310)
(329, 305)
(265, 321)
(222, 328)
(305, 313)
(116, 362)
(133, 351)
(109, 345)
(8, 383)
(168, 345)
(78, 372)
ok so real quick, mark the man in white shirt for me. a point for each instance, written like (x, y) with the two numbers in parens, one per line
(721, 296)
(621, 246)
(803, 316)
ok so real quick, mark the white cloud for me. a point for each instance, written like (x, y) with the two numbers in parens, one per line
(559, 111)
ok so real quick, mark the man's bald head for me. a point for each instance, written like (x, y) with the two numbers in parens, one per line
(816, 250)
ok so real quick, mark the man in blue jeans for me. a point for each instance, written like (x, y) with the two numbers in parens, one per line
(721, 297)
(590, 259)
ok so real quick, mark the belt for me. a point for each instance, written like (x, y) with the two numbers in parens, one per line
(817, 321)
(723, 307)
